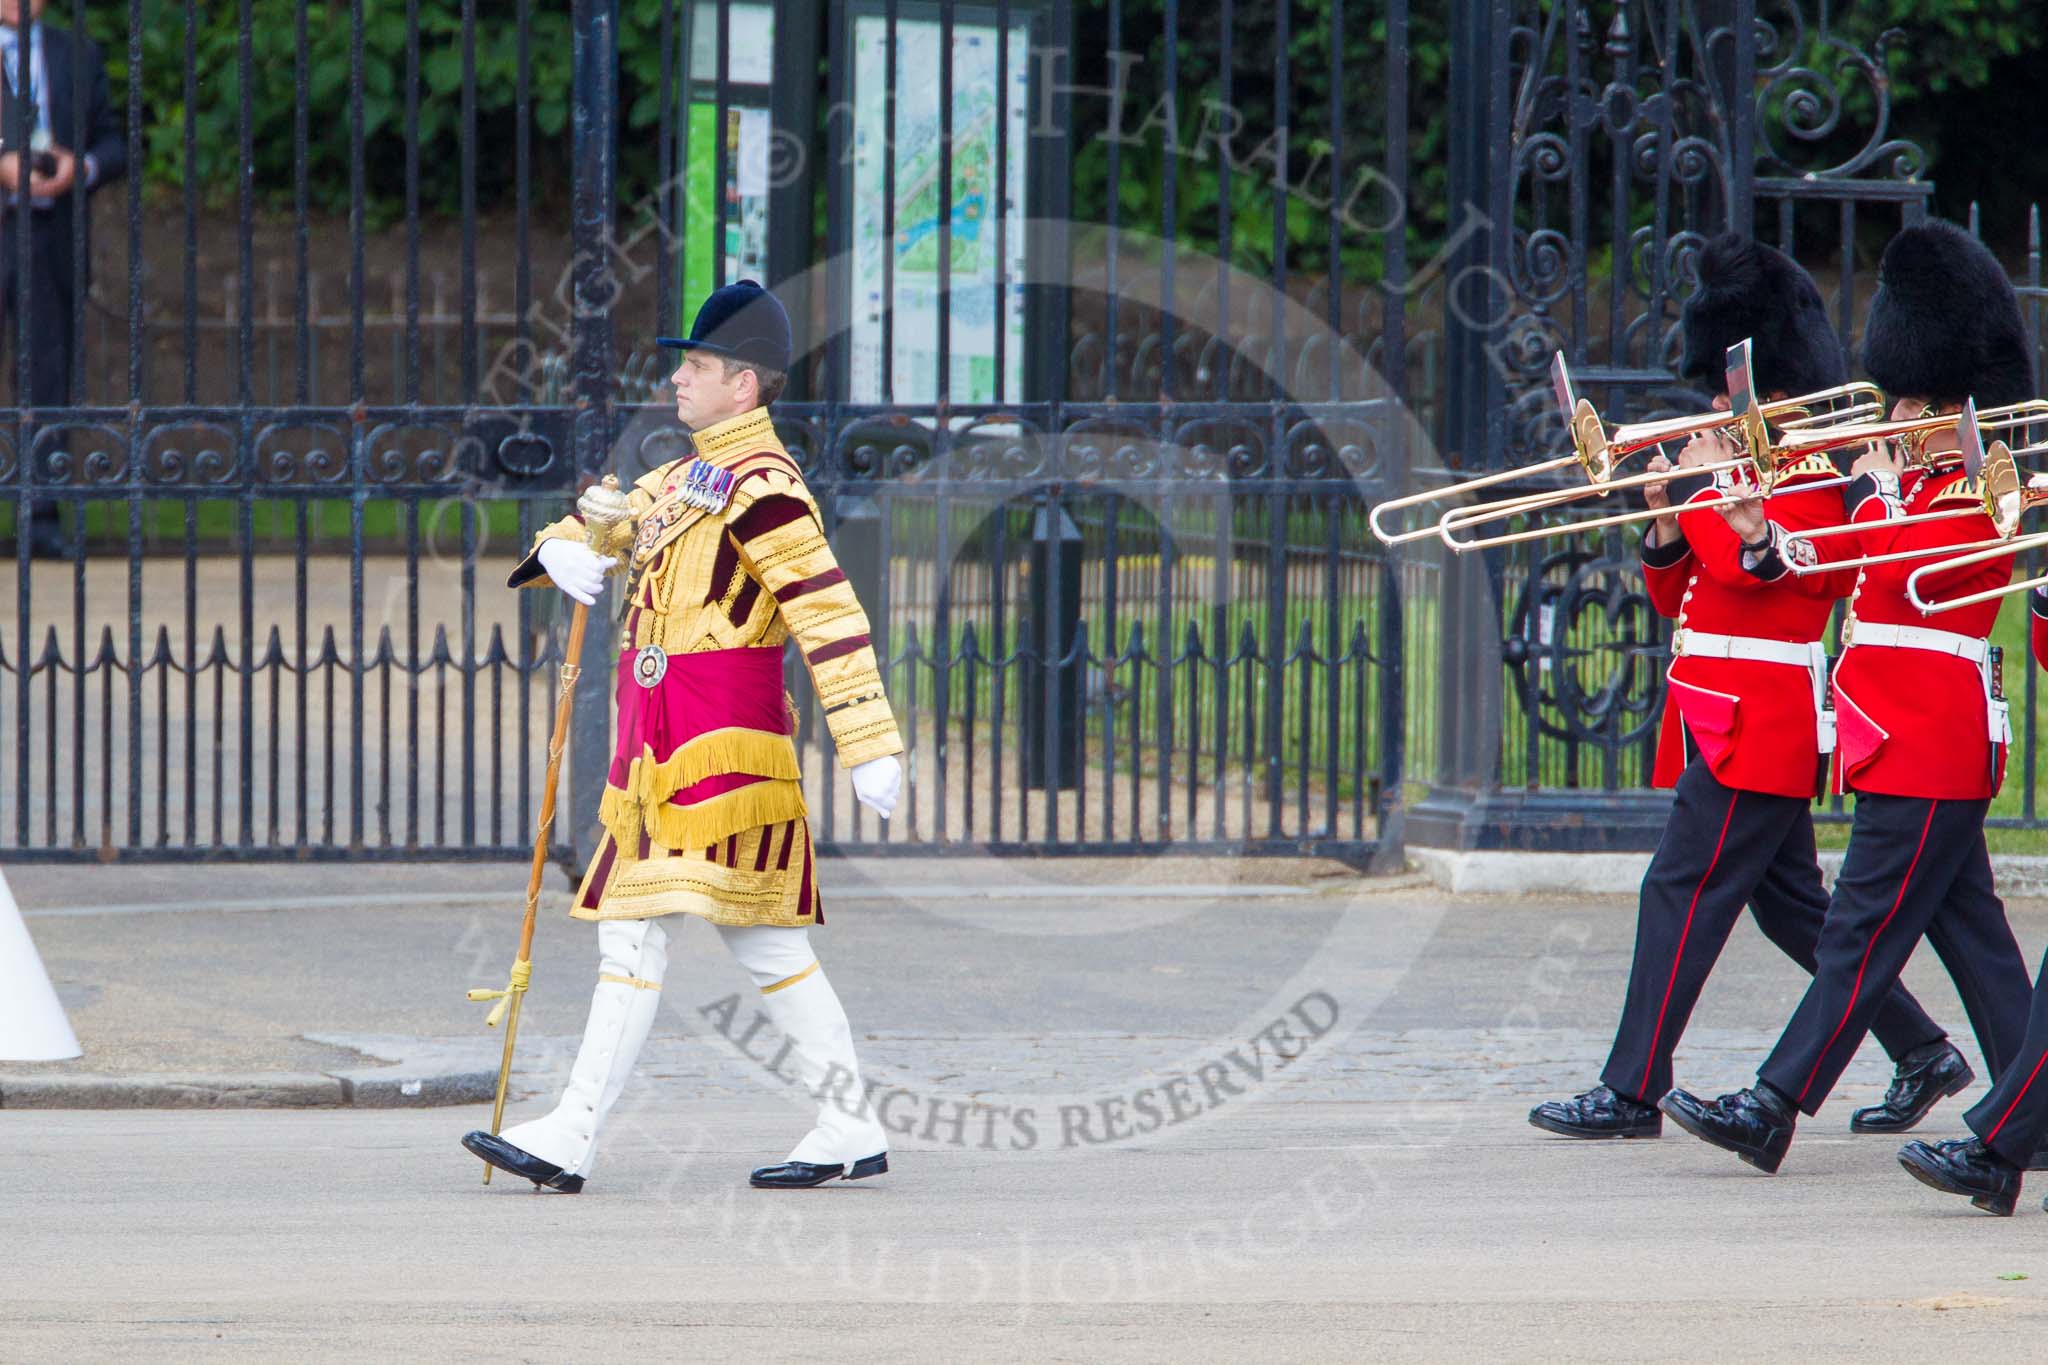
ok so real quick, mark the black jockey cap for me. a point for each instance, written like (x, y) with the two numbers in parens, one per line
(1945, 324)
(742, 321)
(1751, 290)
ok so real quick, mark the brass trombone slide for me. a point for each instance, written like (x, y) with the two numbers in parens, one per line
(2017, 545)
(1745, 420)
(2017, 499)
(1761, 458)
(1599, 453)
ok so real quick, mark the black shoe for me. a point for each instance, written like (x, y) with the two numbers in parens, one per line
(1598, 1113)
(1754, 1124)
(802, 1175)
(1966, 1167)
(1924, 1078)
(507, 1158)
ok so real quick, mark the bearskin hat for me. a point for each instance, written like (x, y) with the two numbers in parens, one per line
(1945, 324)
(1751, 290)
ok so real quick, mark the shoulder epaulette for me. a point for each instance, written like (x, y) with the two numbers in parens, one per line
(1961, 490)
(1813, 465)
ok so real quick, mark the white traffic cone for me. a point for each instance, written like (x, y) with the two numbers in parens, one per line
(32, 1024)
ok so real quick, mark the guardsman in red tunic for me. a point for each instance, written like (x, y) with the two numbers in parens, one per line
(1922, 733)
(2011, 1121)
(1741, 738)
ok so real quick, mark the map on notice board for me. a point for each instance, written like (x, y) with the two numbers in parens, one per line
(981, 97)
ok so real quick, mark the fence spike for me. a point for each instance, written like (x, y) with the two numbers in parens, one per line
(1247, 640)
(1361, 646)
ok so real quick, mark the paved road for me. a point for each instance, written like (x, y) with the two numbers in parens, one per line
(1295, 1232)
(1337, 1166)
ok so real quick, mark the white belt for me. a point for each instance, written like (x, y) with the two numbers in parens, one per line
(1813, 657)
(1972, 647)
(1698, 644)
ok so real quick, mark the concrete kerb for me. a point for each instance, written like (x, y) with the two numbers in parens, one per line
(363, 1088)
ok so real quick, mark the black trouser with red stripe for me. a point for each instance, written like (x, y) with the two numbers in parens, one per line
(2013, 1119)
(1915, 866)
(1723, 849)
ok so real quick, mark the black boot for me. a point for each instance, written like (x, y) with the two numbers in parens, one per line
(1755, 1124)
(1925, 1076)
(1598, 1113)
(525, 1165)
(802, 1175)
(1966, 1167)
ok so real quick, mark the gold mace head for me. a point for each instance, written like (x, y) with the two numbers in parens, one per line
(604, 504)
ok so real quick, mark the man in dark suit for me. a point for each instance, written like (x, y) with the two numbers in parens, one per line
(60, 131)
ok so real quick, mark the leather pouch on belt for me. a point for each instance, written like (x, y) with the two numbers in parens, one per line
(1713, 719)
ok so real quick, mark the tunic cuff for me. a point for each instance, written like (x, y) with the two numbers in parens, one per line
(1668, 555)
(1766, 559)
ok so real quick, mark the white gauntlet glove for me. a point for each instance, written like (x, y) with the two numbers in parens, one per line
(878, 783)
(575, 568)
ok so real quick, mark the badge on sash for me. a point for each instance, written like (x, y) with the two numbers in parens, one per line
(650, 665)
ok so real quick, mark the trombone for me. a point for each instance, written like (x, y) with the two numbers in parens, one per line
(1599, 453)
(2015, 499)
(1765, 462)
(2004, 497)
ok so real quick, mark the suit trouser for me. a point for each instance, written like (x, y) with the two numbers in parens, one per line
(1722, 849)
(1915, 866)
(51, 318)
(2012, 1119)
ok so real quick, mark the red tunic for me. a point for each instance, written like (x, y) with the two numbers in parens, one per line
(1912, 721)
(1752, 719)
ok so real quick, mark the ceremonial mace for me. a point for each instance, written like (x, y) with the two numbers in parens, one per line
(602, 507)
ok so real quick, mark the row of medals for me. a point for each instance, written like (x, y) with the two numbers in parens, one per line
(698, 486)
